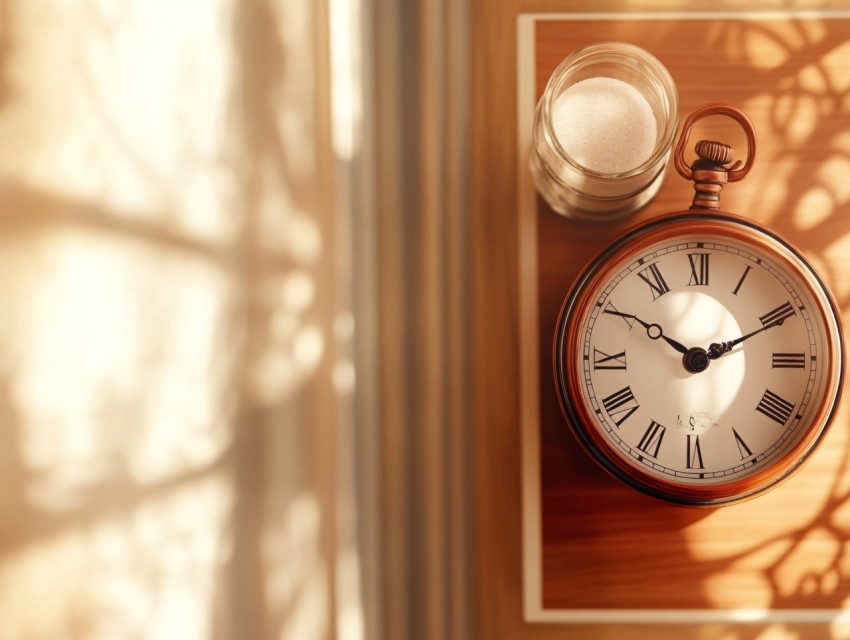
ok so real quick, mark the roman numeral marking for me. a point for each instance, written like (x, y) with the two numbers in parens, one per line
(699, 269)
(650, 443)
(652, 276)
(774, 407)
(778, 315)
(741, 281)
(602, 360)
(611, 309)
(694, 458)
(620, 405)
(788, 361)
(743, 449)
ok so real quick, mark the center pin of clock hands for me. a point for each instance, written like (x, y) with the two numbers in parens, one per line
(715, 349)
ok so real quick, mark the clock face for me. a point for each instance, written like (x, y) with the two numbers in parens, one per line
(699, 359)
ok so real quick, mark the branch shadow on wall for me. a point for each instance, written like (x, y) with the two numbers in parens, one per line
(156, 477)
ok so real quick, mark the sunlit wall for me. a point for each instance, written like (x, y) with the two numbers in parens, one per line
(171, 347)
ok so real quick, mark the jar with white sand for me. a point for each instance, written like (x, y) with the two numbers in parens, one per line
(603, 131)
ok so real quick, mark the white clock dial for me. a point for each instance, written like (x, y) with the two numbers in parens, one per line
(747, 405)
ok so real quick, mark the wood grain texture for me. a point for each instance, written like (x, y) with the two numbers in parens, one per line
(604, 545)
(601, 541)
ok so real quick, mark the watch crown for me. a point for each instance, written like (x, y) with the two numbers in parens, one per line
(710, 172)
(713, 152)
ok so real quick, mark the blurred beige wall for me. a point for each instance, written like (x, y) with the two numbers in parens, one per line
(175, 343)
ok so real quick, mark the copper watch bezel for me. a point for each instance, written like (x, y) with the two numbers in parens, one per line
(568, 340)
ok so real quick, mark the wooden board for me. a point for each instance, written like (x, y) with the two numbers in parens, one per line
(594, 549)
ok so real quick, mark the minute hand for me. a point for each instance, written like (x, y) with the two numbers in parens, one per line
(715, 350)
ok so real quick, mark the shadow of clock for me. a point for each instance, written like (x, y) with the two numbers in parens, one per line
(601, 535)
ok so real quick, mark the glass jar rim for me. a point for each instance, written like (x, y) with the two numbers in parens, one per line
(638, 58)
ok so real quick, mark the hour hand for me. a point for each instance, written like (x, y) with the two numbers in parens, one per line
(653, 330)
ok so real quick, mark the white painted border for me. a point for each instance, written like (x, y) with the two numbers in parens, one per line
(529, 374)
(825, 14)
(528, 305)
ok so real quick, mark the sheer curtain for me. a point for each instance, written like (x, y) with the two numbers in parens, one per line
(232, 368)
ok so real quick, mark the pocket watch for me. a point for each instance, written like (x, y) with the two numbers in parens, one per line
(700, 358)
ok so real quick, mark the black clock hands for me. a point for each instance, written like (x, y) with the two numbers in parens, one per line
(697, 359)
(653, 330)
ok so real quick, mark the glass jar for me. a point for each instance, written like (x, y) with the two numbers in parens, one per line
(570, 187)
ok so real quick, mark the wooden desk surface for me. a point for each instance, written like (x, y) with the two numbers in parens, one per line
(603, 547)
